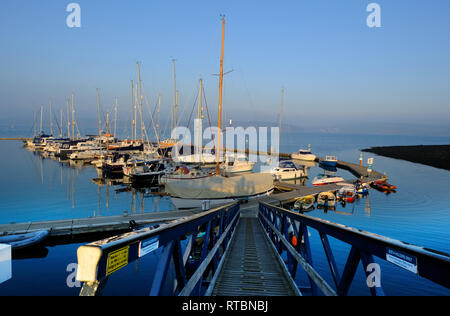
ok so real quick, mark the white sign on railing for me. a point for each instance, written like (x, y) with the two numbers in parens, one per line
(5, 263)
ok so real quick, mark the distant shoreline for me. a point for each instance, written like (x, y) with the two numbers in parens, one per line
(437, 156)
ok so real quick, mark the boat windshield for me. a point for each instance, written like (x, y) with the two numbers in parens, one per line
(287, 164)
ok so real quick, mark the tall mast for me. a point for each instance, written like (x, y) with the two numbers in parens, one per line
(107, 135)
(220, 96)
(73, 119)
(159, 115)
(281, 113)
(51, 123)
(115, 118)
(132, 110)
(98, 113)
(61, 120)
(68, 115)
(140, 101)
(40, 131)
(135, 111)
(175, 96)
(34, 122)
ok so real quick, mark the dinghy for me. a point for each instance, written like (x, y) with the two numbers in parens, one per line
(305, 203)
(326, 199)
(19, 241)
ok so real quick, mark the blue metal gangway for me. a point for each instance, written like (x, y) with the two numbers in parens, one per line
(257, 252)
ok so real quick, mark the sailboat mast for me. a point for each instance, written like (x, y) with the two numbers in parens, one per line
(135, 112)
(159, 116)
(51, 123)
(220, 97)
(132, 109)
(140, 101)
(34, 122)
(115, 118)
(73, 119)
(107, 135)
(281, 113)
(61, 120)
(98, 113)
(40, 131)
(68, 115)
(175, 96)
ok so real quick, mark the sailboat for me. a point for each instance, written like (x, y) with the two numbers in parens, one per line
(168, 143)
(218, 189)
(195, 154)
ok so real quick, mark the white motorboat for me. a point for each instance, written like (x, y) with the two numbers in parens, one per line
(87, 155)
(287, 170)
(239, 164)
(323, 179)
(304, 154)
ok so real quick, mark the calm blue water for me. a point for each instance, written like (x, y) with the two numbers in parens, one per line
(35, 189)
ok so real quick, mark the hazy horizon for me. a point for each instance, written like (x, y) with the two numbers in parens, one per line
(339, 75)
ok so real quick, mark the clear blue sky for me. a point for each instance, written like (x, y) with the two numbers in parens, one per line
(335, 69)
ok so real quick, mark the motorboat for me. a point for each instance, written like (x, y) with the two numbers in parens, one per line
(382, 185)
(87, 155)
(346, 193)
(287, 170)
(326, 199)
(304, 154)
(324, 179)
(239, 164)
(114, 164)
(329, 161)
(361, 188)
(144, 171)
(305, 203)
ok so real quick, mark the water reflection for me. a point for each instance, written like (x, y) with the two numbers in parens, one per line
(73, 182)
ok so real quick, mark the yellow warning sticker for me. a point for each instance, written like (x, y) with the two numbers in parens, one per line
(117, 259)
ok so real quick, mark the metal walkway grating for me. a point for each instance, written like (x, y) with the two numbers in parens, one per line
(251, 267)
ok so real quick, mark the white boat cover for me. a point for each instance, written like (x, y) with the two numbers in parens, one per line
(219, 187)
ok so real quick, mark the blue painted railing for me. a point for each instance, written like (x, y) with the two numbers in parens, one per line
(210, 231)
(289, 233)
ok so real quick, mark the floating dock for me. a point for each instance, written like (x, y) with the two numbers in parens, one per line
(106, 224)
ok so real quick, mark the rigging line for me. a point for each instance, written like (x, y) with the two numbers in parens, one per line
(207, 111)
(193, 107)
(57, 123)
(151, 117)
(169, 117)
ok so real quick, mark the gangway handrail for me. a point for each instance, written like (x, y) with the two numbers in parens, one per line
(98, 260)
(283, 225)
